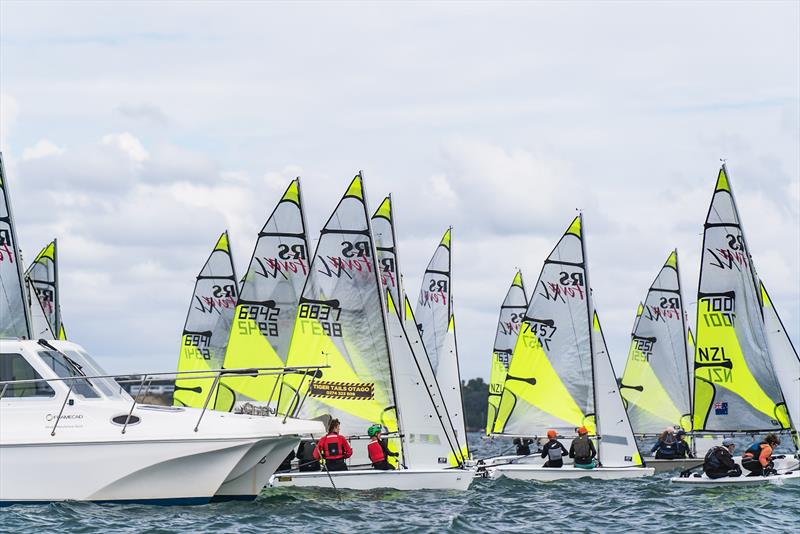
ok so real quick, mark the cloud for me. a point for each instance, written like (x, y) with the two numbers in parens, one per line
(42, 149)
(128, 145)
(9, 109)
(148, 113)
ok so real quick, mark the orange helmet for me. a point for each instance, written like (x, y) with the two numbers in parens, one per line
(551, 434)
(582, 430)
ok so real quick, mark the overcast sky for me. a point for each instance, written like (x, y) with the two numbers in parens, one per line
(136, 133)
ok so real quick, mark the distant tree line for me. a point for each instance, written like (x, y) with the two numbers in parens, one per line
(475, 394)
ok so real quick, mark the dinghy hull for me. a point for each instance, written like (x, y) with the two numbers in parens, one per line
(406, 479)
(665, 466)
(547, 474)
(703, 481)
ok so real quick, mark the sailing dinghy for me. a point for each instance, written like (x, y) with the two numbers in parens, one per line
(43, 295)
(561, 376)
(372, 373)
(655, 384)
(746, 371)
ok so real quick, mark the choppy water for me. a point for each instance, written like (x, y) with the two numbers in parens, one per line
(649, 505)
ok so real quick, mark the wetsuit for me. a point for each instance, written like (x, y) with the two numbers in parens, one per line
(718, 463)
(582, 449)
(335, 450)
(666, 449)
(378, 452)
(553, 450)
(305, 456)
(758, 459)
(683, 450)
(523, 446)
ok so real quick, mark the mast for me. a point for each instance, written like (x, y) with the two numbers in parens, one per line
(590, 318)
(685, 340)
(56, 297)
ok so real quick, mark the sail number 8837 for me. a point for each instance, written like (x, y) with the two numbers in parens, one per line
(320, 319)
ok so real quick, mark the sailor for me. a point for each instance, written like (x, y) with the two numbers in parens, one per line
(378, 450)
(666, 448)
(305, 456)
(718, 462)
(682, 449)
(553, 450)
(758, 457)
(582, 449)
(333, 448)
(523, 446)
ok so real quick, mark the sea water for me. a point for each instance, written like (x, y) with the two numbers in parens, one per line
(650, 505)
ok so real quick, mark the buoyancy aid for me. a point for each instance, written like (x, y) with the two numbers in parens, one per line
(713, 460)
(554, 451)
(756, 450)
(582, 447)
(375, 451)
(333, 447)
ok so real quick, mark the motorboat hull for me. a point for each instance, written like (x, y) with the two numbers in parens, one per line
(549, 474)
(367, 479)
(254, 470)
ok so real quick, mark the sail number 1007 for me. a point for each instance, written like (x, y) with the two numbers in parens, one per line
(320, 319)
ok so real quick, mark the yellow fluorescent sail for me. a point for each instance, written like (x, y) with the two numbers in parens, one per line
(192, 391)
(640, 386)
(719, 362)
(543, 389)
(496, 380)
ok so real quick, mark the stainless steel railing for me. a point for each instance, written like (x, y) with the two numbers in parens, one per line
(147, 378)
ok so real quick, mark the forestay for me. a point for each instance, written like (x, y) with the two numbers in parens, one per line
(735, 386)
(14, 313)
(511, 313)
(340, 323)
(436, 324)
(549, 382)
(784, 360)
(617, 446)
(265, 312)
(208, 325)
(655, 383)
(43, 275)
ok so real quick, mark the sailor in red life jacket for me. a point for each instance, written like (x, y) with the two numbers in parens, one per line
(377, 449)
(333, 448)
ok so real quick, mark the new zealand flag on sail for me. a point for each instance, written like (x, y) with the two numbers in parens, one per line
(720, 408)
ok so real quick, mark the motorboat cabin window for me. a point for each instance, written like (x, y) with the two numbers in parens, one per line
(66, 367)
(107, 386)
(14, 367)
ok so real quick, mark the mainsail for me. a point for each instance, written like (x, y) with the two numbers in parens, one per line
(735, 387)
(267, 306)
(511, 313)
(39, 323)
(655, 383)
(437, 327)
(784, 360)
(549, 381)
(43, 276)
(341, 323)
(208, 325)
(386, 247)
(14, 312)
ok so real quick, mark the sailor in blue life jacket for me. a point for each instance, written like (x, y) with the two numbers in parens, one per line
(666, 448)
(719, 463)
(582, 449)
(333, 448)
(378, 450)
(757, 458)
(553, 450)
(682, 447)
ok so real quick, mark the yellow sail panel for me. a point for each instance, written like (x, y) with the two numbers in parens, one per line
(496, 380)
(720, 363)
(189, 391)
(641, 387)
(339, 386)
(532, 378)
(62, 333)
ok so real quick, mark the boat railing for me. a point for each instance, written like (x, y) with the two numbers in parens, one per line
(147, 378)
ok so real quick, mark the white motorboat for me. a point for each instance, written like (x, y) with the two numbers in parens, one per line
(366, 479)
(69, 432)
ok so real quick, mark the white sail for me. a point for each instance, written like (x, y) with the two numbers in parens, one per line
(735, 387)
(14, 312)
(617, 446)
(784, 359)
(436, 324)
(386, 249)
(426, 443)
(39, 319)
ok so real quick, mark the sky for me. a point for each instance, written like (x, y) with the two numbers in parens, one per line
(136, 132)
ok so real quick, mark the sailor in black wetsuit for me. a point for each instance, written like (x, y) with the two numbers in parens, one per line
(553, 450)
